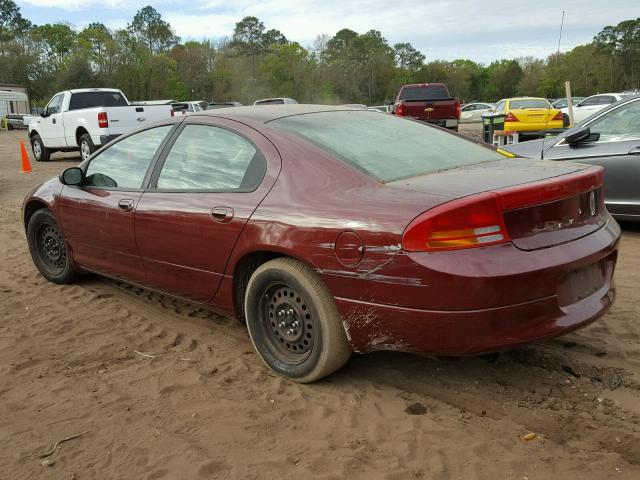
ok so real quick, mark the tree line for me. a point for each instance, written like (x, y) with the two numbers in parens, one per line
(147, 60)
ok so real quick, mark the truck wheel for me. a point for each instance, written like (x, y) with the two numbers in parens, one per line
(86, 146)
(293, 321)
(40, 152)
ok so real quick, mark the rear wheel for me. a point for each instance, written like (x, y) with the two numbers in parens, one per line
(40, 152)
(293, 321)
(48, 248)
(86, 146)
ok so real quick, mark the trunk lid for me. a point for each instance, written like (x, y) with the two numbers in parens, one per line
(543, 203)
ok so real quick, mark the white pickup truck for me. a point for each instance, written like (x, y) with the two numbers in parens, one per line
(87, 118)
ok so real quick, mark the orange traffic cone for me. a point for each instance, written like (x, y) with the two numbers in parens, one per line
(26, 165)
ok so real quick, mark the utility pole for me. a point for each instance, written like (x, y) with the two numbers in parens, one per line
(560, 38)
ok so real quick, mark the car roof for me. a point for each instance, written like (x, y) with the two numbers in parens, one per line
(84, 90)
(267, 113)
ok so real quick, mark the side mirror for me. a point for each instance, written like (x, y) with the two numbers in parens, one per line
(581, 135)
(73, 176)
(44, 113)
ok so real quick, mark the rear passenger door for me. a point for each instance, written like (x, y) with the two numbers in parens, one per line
(207, 183)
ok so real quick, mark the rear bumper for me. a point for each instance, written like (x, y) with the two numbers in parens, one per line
(532, 127)
(545, 301)
(104, 139)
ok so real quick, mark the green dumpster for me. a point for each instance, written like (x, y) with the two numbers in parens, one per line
(490, 123)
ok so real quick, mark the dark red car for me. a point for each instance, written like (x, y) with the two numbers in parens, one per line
(330, 231)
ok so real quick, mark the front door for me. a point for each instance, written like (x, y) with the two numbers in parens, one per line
(202, 192)
(51, 125)
(98, 218)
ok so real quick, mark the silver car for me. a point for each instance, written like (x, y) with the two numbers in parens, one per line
(472, 112)
(610, 138)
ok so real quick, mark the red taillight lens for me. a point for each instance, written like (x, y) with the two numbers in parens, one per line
(458, 109)
(468, 222)
(173, 113)
(400, 109)
(558, 116)
(103, 121)
(511, 118)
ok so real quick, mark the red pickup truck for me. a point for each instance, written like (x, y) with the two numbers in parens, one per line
(428, 102)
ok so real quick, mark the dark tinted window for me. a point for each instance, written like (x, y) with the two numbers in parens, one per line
(384, 146)
(211, 158)
(275, 101)
(596, 100)
(124, 164)
(427, 92)
(96, 99)
(529, 103)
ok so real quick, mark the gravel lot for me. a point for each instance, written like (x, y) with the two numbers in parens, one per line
(205, 407)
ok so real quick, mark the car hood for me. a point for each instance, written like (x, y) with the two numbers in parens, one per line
(531, 148)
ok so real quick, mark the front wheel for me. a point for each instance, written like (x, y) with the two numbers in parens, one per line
(48, 248)
(86, 146)
(293, 321)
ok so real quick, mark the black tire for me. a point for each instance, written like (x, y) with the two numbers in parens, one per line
(40, 152)
(285, 291)
(86, 146)
(48, 248)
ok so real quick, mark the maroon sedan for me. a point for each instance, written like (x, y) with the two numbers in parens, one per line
(330, 231)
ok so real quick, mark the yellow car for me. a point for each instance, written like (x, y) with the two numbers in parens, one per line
(527, 114)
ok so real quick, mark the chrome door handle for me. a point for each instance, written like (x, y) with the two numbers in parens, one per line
(126, 205)
(53, 120)
(222, 214)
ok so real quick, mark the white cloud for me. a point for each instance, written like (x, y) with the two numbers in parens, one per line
(446, 29)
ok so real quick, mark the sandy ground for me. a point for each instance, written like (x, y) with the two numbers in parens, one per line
(205, 407)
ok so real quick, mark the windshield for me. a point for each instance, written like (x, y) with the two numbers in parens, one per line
(529, 103)
(427, 92)
(385, 147)
(96, 99)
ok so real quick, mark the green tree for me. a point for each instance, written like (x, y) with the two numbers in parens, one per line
(407, 57)
(149, 28)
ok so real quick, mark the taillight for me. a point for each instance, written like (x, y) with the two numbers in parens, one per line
(473, 221)
(103, 120)
(511, 118)
(558, 116)
(458, 109)
(478, 220)
(400, 109)
(173, 113)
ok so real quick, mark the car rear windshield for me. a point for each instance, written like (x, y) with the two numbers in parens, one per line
(96, 99)
(275, 101)
(385, 147)
(529, 103)
(427, 92)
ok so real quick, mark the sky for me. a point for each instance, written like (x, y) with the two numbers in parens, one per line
(441, 29)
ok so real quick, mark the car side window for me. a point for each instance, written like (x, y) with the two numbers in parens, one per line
(607, 100)
(622, 123)
(124, 164)
(205, 157)
(469, 108)
(55, 104)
